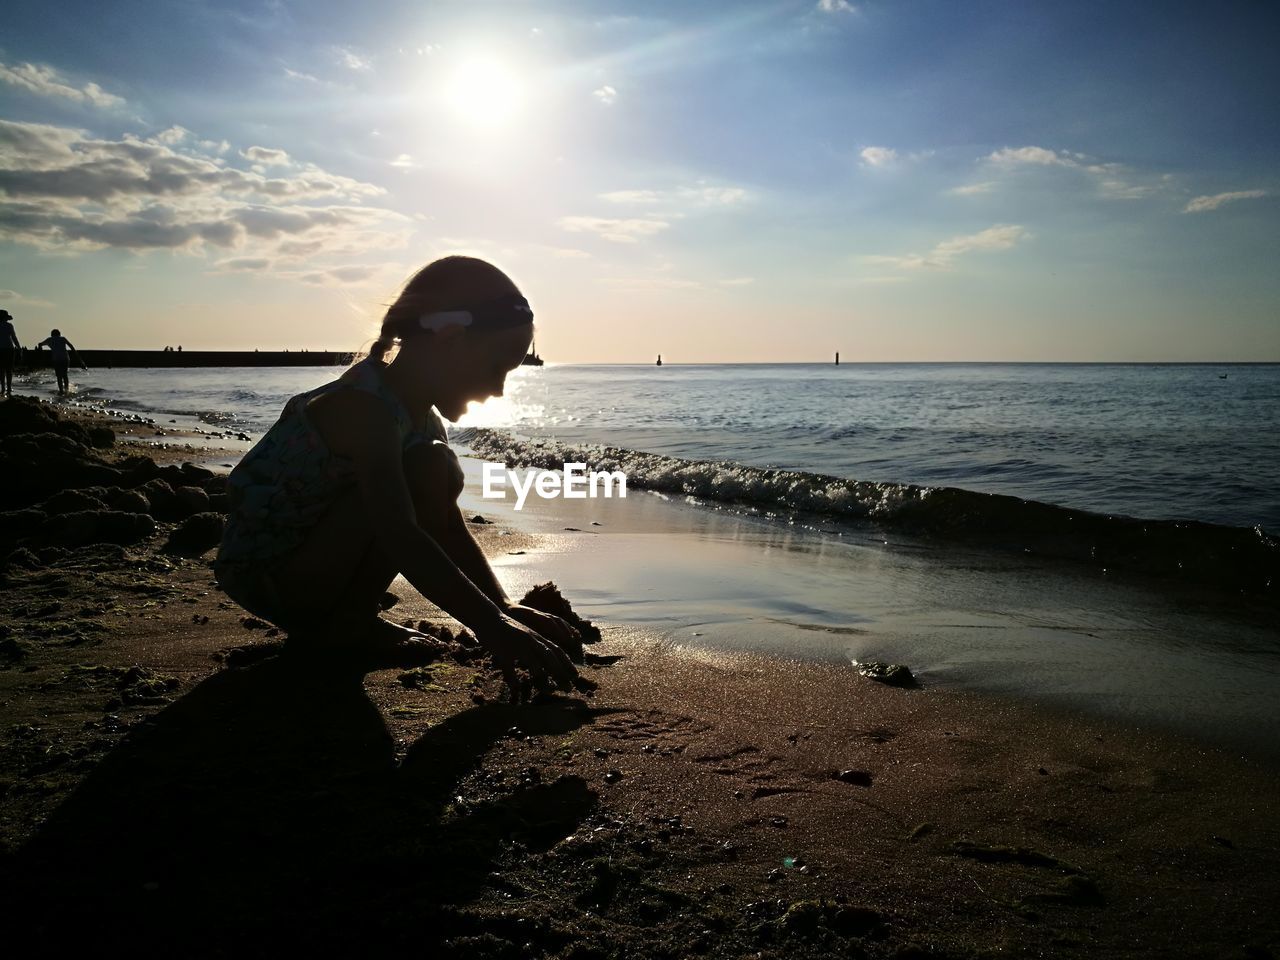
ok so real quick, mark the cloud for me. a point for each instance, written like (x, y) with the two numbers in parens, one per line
(174, 135)
(14, 297)
(941, 257)
(233, 265)
(714, 196)
(47, 82)
(836, 6)
(617, 231)
(266, 156)
(606, 95)
(65, 192)
(878, 156)
(1037, 156)
(885, 157)
(42, 162)
(352, 60)
(339, 276)
(1114, 181)
(698, 195)
(1000, 237)
(972, 189)
(633, 196)
(404, 162)
(738, 282)
(1207, 203)
(298, 75)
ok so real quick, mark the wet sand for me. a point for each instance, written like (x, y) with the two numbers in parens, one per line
(179, 785)
(1126, 649)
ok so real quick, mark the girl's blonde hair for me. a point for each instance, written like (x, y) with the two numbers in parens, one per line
(449, 283)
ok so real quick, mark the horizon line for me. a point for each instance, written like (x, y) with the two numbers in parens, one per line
(741, 363)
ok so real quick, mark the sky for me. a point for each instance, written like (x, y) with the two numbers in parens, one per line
(715, 182)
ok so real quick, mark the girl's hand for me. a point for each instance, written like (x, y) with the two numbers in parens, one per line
(548, 625)
(511, 643)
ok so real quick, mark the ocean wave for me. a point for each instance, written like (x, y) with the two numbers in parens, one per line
(122, 404)
(1239, 558)
(219, 418)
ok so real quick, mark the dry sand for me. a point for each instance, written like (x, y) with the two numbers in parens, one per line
(157, 797)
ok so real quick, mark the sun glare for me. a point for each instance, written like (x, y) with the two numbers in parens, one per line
(484, 92)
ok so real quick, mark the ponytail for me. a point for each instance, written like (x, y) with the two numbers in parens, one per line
(382, 346)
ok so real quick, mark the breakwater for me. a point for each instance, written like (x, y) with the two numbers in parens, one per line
(36, 359)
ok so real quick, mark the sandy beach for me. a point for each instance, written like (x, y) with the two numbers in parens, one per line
(179, 781)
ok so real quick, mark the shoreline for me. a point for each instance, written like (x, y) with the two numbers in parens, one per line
(1237, 560)
(697, 803)
(137, 435)
(1224, 676)
(1129, 651)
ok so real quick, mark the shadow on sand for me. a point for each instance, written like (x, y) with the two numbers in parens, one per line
(265, 812)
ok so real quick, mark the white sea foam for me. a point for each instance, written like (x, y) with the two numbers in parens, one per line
(1243, 558)
(773, 490)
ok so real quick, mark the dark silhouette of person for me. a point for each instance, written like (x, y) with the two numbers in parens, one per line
(61, 348)
(9, 347)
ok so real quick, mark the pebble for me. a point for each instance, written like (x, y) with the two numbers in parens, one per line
(893, 674)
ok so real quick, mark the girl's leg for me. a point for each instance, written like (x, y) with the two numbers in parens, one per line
(332, 584)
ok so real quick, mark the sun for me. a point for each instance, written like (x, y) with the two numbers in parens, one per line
(484, 93)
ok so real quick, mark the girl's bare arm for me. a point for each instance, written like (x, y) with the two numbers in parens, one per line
(362, 431)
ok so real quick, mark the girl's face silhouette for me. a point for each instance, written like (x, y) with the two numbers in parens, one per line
(477, 367)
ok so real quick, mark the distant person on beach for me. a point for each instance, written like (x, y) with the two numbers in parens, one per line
(61, 348)
(9, 347)
(356, 483)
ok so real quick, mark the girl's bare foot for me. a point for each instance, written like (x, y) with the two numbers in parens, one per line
(384, 632)
(374, 641)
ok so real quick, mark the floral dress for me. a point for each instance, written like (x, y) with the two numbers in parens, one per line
(288, 481)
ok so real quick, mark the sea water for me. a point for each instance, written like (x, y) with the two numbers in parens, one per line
(1160, 441)
(1156, 441)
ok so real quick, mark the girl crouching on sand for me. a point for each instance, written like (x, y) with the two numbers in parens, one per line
(356, 483)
